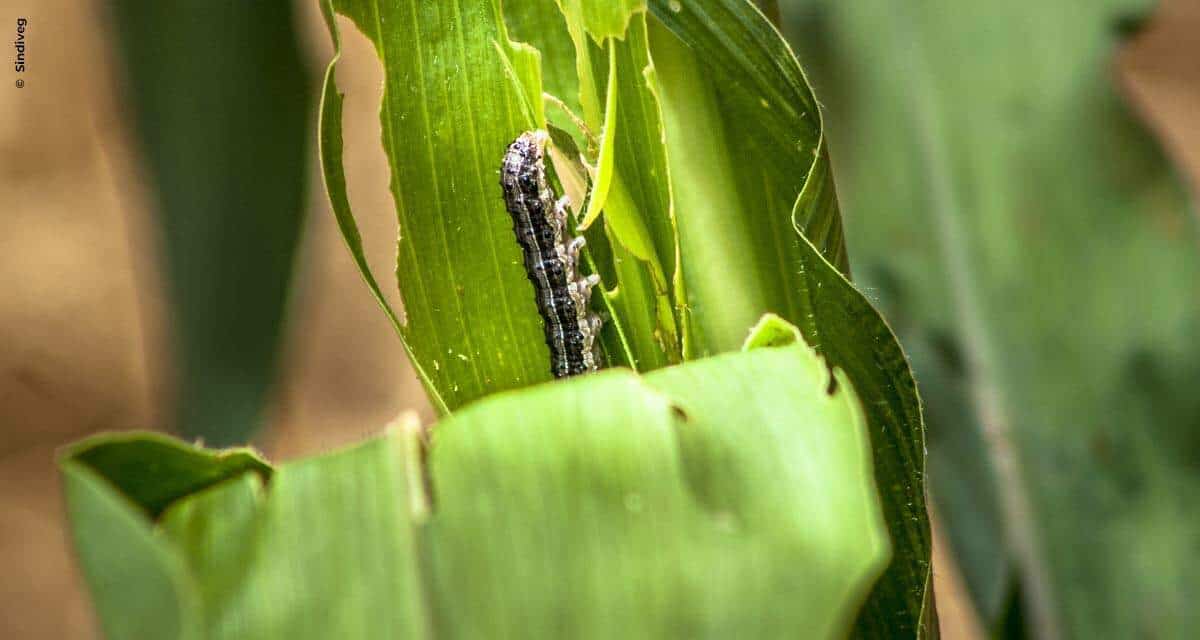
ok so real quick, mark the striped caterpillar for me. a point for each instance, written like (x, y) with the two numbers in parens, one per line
(551, 257)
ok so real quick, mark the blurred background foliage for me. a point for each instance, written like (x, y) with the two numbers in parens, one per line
(221, 102)
(1014, 221)
(1037, 255)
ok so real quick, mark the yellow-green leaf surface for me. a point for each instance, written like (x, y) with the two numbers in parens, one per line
(608, 505)
(637, 212)
(603, 19)
(760, 232)
(639, 257)
(1039, 258)
(640, 220)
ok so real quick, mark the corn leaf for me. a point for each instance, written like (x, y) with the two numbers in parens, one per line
(115, 485)
(449, 111)
(649, 507)
(139, 584)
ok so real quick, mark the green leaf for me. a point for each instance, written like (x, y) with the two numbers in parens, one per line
(744, 169)
(594, 504)
(638, 220)
(770, 10)
(472, 328)
(641, 220)
(608, 135)
(221, 99)
(324, 550)
(738, 213)
(603, 19)
(541, 513)
(632, 189)
(115, 486)
(772, 331)
(1032, 244)
(762, 236)
(154, 470)
(539, 24)
(139, 584)
(449, 111)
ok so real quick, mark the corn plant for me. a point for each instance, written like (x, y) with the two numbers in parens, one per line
(749, 460)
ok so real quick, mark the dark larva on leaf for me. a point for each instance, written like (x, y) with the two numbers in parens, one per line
(551, 257)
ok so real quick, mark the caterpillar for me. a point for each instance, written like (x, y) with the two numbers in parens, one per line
(551, 257)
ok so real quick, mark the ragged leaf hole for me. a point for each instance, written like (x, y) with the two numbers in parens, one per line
(360, 78)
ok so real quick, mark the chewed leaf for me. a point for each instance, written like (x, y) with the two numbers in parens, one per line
(569, 167)
(711, 203)
(450, 108)
(538, 24)
(604, 19)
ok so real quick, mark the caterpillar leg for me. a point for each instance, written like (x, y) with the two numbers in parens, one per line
(559, 216)
(572, 252)
(581, 291)
(591, 345)
(562, 208)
